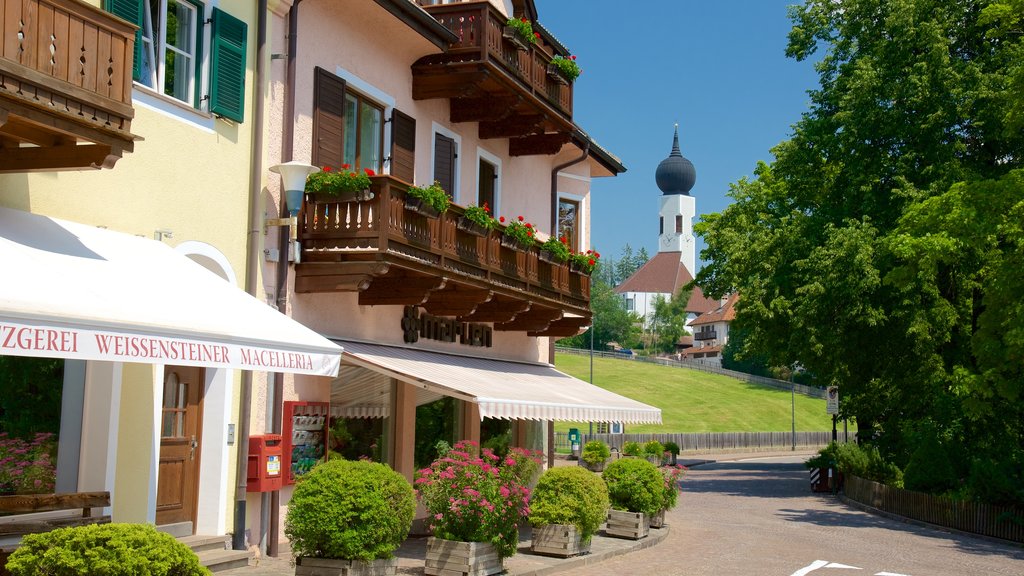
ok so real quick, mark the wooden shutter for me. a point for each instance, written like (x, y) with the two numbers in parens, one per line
(485, 194)
(444, 162)
(403, 146)
(328, 119)
(130, 10)
(227, 66)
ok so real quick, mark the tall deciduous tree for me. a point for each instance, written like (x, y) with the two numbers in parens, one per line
(882, 248)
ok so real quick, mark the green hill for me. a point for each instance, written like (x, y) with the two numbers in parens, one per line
(694, 401)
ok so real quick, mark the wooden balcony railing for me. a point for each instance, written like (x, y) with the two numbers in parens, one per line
(492, 81)
(393, 255)
(65, 85)
(705, 335)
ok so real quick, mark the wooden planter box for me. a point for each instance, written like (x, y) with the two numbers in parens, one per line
(337, 567)
(561, 540)
(556, 74)
(418, 206)
(632, 525)
(512, 36)
(658, 520)
(549, 257)
(599, 467)
(450, 557)
(510, 242)
(474, 228)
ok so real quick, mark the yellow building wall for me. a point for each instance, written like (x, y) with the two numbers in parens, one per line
(135, 450)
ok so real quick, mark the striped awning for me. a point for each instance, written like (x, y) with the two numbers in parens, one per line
(501, 388)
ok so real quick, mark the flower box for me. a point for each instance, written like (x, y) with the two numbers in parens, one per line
(658, 520)
(580, 268)
(556, 74)
(306, 566)
(474, 228)
(419, 206)
(448, 557)
(512, 36)
(632, 525)
(510, 242)
(549, 256)
(561, 540)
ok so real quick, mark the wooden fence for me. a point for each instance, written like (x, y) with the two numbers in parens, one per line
(996, 521)
(705, 442)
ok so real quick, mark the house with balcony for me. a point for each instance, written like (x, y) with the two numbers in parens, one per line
(130, 206)
(711, 332)
(447, 332)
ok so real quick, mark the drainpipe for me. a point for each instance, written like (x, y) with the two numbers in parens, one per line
(287, 149)
(251, 268)
(554, 230)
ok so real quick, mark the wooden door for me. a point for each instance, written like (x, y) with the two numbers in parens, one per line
(180, 431)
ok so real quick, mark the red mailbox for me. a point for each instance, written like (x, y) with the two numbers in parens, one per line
(264, 466)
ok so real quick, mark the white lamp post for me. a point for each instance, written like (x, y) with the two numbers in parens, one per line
(293, 177)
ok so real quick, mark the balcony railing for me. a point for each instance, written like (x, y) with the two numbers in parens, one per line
(393, 255)
(65, 79)
(705, 335)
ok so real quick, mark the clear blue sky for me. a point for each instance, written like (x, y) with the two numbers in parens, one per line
(717, 67)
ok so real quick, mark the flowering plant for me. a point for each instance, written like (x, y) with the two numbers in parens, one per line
(585, 261)
(519, 230)
(336, 182)
(433, 195)
(481, 215)
(474, 498)
(672, 475)
(27, 467)
(558, 247)
(524, 28)
(567, 66)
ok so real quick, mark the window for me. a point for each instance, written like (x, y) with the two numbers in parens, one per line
(488, 176)
(630, 304)
(568, 221)
(363, 135)
(679, 224)
(444, 162)
(348, 127)
(169, 54)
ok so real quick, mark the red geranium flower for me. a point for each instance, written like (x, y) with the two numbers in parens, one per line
(346, 166)
(369, 172)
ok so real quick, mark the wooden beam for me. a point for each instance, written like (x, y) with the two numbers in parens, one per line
(546, 144)
(26, 503)
(337, 276)
(497, 310)
(513, 126)
(564, 327)
(24, 132)
(50, 158)
(536, 319)
(400, 290)
(456, 301)
(488, 108)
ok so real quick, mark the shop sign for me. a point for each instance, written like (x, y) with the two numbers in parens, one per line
(416, 325)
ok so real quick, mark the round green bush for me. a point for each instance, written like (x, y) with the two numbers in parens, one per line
(635, 485)
(654, 449)
(570, 495)
(595, 452)
(351, 510)
(632, 448)
(108, 549)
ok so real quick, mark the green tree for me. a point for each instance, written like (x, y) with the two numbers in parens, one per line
(611, 322)
(668, 322)
(882, 248)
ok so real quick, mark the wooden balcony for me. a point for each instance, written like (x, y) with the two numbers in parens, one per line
(65, 86)
(705, 335)
(491, 80)
(394, 256)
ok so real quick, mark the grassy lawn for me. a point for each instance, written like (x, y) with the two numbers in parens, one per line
(693, 401)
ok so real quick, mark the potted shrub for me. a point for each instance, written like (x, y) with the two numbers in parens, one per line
(672, 449)
(654, 451)
(518, 233)
(430, 201)
(584, 262)
(477, 220)
(595, 454)
(343, 185)
(564, 70)
(670, 497)
(348, 517)
(555, 250)
(636, 489)
(519, 32)
(475, 502)
(566, 509)
(111, 549)
(632, 448)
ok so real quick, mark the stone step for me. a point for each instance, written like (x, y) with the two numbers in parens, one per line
(218, 560)
(199, 543)
(178, 530)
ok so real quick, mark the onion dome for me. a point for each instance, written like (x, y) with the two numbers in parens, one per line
(675, 174)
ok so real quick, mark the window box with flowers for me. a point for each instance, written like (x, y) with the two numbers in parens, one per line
(584, 262)
(555, 250)
(564, 70)
(477, 220)
(430, 201)
(518, 234)
(343, 185)
(519, 32)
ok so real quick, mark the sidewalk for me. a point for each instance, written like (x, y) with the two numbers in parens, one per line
(412, 554)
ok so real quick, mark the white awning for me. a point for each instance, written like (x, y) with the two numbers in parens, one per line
(74, 291)
(503, 389)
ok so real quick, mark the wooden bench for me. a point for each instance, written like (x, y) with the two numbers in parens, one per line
(12, 526)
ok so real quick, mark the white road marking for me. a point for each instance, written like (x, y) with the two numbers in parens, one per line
(890, 574)
(842, 566)
(826, 564)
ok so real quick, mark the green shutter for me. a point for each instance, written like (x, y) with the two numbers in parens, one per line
(130, 10)
(227, 66)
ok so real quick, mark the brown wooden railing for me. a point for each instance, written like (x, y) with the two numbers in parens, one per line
(996, 521)
(68, 56)
(332, 230)
(479, 26)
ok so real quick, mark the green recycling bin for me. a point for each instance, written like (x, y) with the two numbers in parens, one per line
(574, 441)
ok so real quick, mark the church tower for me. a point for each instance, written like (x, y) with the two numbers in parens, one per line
(675, 177)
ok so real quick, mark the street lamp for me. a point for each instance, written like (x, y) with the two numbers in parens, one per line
(293, 176)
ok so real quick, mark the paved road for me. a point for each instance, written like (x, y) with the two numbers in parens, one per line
(758, 517)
